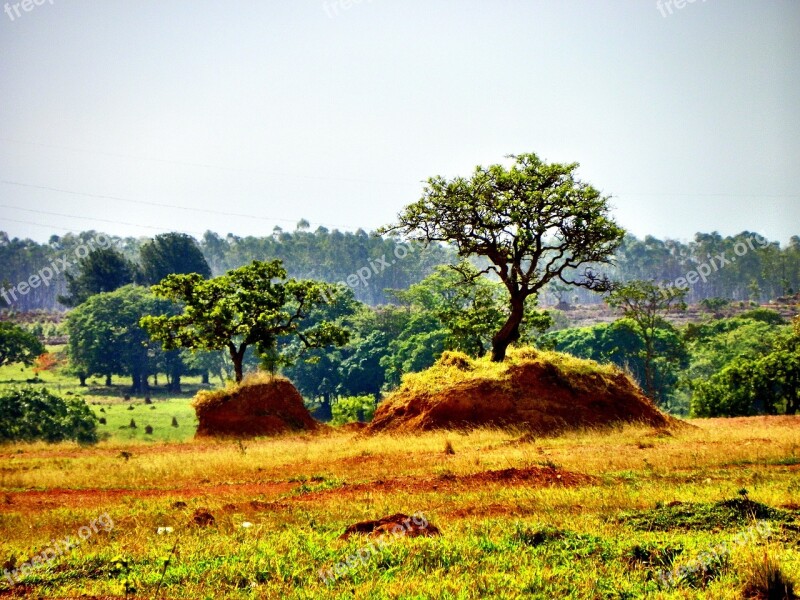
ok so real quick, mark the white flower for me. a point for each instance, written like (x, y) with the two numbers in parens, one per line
(163, 530)
(247, 524)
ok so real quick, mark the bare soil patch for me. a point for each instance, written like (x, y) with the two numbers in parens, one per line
(252, 410)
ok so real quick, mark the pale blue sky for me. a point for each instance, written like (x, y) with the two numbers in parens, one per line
(283, 109)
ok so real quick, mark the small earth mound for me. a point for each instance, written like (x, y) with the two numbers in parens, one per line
(726, 514)
(397, 524)
(542, 392)
(259, 406)
(542, 476)
(203, 518)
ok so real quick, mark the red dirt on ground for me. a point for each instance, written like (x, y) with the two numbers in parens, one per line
(253, 410)
(535, 396)
(397, 524)
(531, 476)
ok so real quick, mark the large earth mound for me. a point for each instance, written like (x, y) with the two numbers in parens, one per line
(260, 405)
(544, 392)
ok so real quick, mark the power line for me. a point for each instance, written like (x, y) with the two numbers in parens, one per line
(202, 165)
(55, 214)
(158, 204)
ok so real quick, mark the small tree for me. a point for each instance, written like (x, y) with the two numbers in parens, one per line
(254, 305)
(535, 222)
(18, 345)
(646, 304)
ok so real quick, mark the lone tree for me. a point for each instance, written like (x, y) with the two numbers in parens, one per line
(535, 222)
(254, 305)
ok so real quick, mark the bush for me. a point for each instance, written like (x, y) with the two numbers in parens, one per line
(29, 414)
(353, 408)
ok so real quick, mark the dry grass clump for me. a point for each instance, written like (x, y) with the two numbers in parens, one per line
(205, 399)
(765, 579)
(456, 367)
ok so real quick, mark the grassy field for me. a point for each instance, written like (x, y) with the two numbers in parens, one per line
(109, 403)
(516, 518)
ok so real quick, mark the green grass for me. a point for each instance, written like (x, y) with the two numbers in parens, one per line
(158, 415)
(110, 403)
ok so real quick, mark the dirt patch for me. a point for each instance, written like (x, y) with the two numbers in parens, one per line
(202, 517)
(397, 524)
(538, 476)
(532, 476)
(41, 500)
(355, 427)
(544, 393)
(253, 409)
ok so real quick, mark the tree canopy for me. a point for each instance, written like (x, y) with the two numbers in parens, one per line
(646, 304)
(102, 270)
(255, 305)
(105, 337)
(535, 222)
(18, 345)
(171, 253)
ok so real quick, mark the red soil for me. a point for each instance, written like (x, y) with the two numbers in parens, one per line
(535, 397)
(253, 410)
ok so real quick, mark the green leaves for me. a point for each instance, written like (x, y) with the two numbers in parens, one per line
(535, 222)
(31, 414)
(254, 305)
(18, 345)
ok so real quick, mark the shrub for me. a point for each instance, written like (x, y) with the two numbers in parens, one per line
(350, 409)
(148, 430)
(29, 414)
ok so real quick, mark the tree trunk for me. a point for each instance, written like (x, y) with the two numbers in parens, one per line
(108, 380)
(237, 357)
(136, 383)
(649, 379)
(324, 412)
(509, 332)
(205, 377)
(82, 379)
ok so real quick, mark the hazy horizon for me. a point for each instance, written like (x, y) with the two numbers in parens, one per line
(138, 119)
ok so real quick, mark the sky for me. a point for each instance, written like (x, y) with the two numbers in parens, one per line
(139, 117)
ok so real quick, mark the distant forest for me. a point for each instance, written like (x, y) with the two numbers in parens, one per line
(741, 267)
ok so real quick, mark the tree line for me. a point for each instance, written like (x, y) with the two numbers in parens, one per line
(766, 271)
